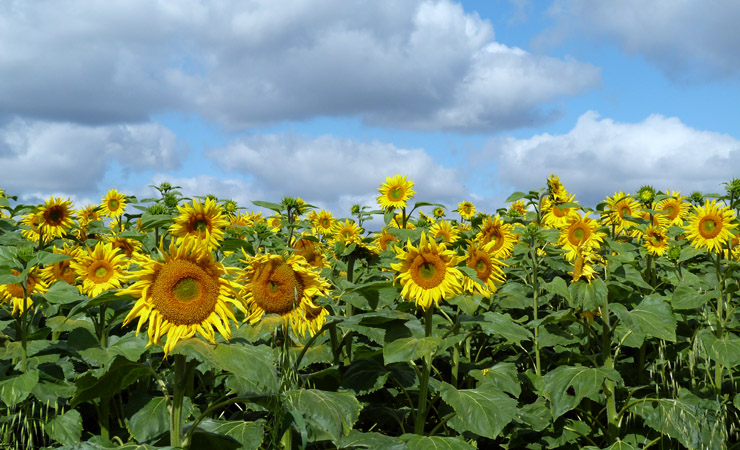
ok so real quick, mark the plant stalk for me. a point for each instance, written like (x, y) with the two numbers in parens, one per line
(421, 410)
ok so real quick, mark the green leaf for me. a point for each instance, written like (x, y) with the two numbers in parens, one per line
(278, 208)
(692, 421)
(687, 296)
(725, 351)
(150, 421)
(15, 389)
(559, 287)
(652, 317)
(364, 376)
(44, 258)
(503, 325)
(252, 368)
(416, 442)
(129, 346)
(332, 412)
(248, 434)
(589, 296)
(151, 221)
(515, 196)
(410, 349)
(503, 376)
(120, 374)
(371, 441)
(566, 386)
(484, 411)
(65, 429)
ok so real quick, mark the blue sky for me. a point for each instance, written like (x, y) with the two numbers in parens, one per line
(324, 99)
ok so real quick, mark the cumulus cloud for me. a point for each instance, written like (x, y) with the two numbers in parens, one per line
(331, 172)
(65, 157)
(688, 40)
(601, 156)
(419, 64)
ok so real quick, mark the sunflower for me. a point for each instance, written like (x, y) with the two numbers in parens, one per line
(487, 268)
(382, 239)
(556, 216)
(310, 251)
(347, 232)
(14, 292)
(113, 204)
(646, 194)
(438, 212)
(183, 294)
(55, 218)
(395, 192)
(322, 222)
(202, 221)
(466, 210)
(127, 246)
(287, 287)
(583, 267)
(517, 209)
(62, 270)
(734, 251)
(580, 235)
(617, 207)
(493, 229)
(675, 208)
(656, 240)
(99, 269)
(555, 190)
(88, 214)
(427, 272)
(275, 223)
(30, 227)
(709, 226)
(444, 230)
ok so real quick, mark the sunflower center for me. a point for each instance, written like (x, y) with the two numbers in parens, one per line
(325, 223)
(113, 204)
(709, 227)
(54, 215)
(481, 263)
(276, 288)
(199, 224)
(184, 292)
(100, 272)
(559, 211)
(428, 271)
(395, 194)
(624, 211)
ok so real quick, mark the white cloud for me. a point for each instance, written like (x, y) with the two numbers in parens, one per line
(65, 157)
(331, 172)
(688, 39)
(424, 64)
(600, 156)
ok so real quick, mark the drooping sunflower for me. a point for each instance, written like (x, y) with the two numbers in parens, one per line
(13, 293)
(99, 269)
(617, 207)
(444, 230)
(184, 293)
(583, 266)
(580, 235)
(55, 218)
(310, 251)
(113, 204)
(322, 222)
(466, 210)
(675, 208)
(495, 230)
(517, 209)
(395, 192)
(287, 287)
(62, 270)
(30, 227)
(556, 214)
(487, 267)
(203, 221)
(427, 272)
(127, 246)
(555, 190)
(709, 226)
(656, 240)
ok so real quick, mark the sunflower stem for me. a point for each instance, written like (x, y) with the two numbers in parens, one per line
(421, 410)
(177, 401)
(718, 368)
(606, 349)
(535, 307)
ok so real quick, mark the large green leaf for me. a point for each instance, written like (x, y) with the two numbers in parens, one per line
(15, 389)
(652, 317)
(248, 434)
(484, 411)
(62, 293)
(371, 441)
(150, 421)
(410, 349)
(503, 325)
(689, 296)
(252, 368)
(559, 287)
(332, 412)
(566, 386)
(118, 375)
(503, 376)
(364, 376)
(66, 429)
(416, 442)
(589, 296)
(726, 351)
(692, 421)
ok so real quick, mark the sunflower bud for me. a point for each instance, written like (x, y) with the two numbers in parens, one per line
(697, 197)
(646, 194)
(674, 252)
(25, 253)
(733, 188)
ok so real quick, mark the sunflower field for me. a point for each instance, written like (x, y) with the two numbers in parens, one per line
(173, 322)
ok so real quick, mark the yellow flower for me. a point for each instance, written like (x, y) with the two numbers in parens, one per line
(617, 207)
(466, 210)
(204, 222)
(310, 251)
(580, 235)
(382, 239)
(438, 212)
(87, 215)
(55, 218)
(555, 190)
(30, 227)
(556, 216)
(444, 230)
(487, 268)
(126, 246)
(709, 226)
(184, 294)
(656, 240)
(675, 208)
(583, 266)
(427, 272)
(347, 232)
(501, 234)
(322, 222)
(287, 287)
(62, 270)
(100, 269)
(395, 192)
(275, 223)
(113, 204)
(14, 292)
(518, 208)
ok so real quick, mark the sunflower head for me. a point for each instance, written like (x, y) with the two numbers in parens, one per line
(438, 212)
(445, 231)
(709, 226)
(656, 240)
(13, 292)
(202, 220)
(113, 204)
(487, 269)
(55, 218)
(99, 269)
(466, 210)
(395, 192)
